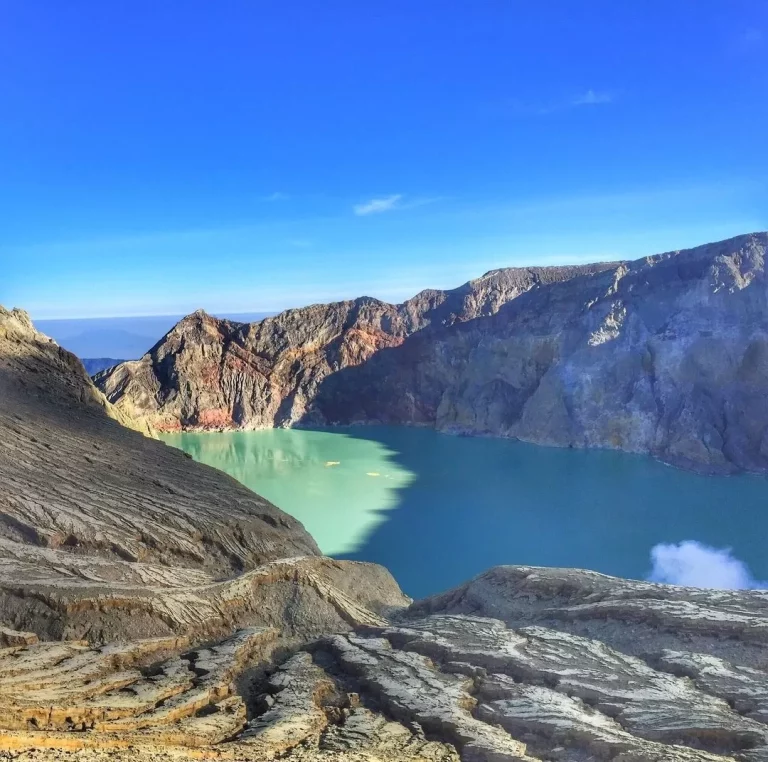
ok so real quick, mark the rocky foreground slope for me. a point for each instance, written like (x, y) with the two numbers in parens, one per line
(666, 355)
(107, 534)
(153, 609)
(519, 664)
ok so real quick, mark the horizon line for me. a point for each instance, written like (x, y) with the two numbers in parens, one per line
(269, 313)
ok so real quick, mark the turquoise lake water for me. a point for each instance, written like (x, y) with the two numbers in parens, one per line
(438, 509)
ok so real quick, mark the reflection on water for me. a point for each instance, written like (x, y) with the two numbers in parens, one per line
(438, 509)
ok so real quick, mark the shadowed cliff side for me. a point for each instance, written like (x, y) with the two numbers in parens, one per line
(666, 355)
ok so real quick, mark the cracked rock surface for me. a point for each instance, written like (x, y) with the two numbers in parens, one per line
(538, 680)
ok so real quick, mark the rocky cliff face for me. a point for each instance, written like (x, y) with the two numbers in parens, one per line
(209, 373)
(665, 355)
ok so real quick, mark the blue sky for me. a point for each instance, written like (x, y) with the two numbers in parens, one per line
(252, 155)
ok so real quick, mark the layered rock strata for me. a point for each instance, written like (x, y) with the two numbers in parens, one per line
(570, 666)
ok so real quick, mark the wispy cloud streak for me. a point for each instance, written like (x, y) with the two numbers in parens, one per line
(379, 205)
(592, 98)
(391, 203)
(587, 98)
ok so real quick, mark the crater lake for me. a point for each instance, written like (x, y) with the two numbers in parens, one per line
(437, 509)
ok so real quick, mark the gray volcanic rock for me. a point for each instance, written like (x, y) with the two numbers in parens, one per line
(75, 479)
(106, 534)
(520, 664)
(666, 355)
(209, 373)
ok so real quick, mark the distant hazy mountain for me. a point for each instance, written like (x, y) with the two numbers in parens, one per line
(94, 365)
(125, 337)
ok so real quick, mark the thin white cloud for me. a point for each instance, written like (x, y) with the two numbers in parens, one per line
(379, 205)
(592, 98)
(693, 564)
(394, 202)
(276, 196)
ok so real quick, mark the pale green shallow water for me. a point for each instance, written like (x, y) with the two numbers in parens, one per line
(338, 486)
(437, 509)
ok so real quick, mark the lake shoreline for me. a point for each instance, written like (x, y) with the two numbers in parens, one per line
(687, 467)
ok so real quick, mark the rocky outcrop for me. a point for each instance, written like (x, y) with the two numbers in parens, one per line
(108, 535)
(50, 596)
(520, 664)
(665, 355)
(73, 479)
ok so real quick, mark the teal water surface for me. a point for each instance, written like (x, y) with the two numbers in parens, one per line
(438, 509)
